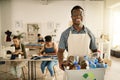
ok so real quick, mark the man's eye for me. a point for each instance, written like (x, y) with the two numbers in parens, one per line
(77, 15)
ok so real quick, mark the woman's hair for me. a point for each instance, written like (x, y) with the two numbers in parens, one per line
(48, 38)
(16, 37)
(39, 35)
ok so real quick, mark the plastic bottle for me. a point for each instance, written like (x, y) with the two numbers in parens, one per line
(92, 65)
(86, 58)
(101, 65)
(91, 62)
(106, 65)
(19, 56)
(87, 62)
(95, 61)
(77, 65)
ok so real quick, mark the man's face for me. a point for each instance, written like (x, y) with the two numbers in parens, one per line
(77, 16)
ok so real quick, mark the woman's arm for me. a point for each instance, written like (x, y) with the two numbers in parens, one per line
(23, 51)
(16, 51)
(41, 51)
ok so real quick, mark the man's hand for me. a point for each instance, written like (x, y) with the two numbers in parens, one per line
(61, 66)
(60, 58)
(39, 54)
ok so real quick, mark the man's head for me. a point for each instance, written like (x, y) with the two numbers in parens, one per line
(16, 40)
(77, 15)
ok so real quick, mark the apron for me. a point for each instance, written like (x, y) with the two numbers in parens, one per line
(78, 44)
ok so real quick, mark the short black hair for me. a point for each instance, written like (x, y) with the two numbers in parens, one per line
(16, 37)
(39, 34)
(76, 7)
(48, 38)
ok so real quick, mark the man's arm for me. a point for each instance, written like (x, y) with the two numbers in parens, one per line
(60, 58)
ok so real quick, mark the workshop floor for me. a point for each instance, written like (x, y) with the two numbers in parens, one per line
(112, 73)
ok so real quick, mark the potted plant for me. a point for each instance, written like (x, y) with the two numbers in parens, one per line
(20, 35)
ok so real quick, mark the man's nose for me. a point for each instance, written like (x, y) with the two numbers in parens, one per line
(77, 16)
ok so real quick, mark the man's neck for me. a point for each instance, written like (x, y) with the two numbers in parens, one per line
(78, 27)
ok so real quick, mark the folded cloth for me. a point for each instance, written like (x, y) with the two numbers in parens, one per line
(2, 62)
(13, 56)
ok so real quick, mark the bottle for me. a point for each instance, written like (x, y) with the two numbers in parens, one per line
(92, 65)
(105, 65)
(19, 56)
(87, 63)
(77, 65)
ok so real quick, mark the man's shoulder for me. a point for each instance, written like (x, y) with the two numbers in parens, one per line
(87, 29)
(67, 31)
(89, 32)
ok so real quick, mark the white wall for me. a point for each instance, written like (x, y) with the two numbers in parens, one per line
(56, 12)
(108, 5)
(95, 17)
(6, 21)
(111, 2)
(0, 25)
(108, 9)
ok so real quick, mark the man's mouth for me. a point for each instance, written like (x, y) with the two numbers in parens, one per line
(77, 19)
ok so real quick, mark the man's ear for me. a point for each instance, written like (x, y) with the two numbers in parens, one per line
(71, 16)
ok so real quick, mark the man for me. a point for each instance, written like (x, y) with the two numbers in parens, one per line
(76, 37)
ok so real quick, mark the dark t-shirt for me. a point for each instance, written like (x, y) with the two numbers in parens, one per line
(22, 47)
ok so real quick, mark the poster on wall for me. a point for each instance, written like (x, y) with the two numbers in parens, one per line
(32, 31)
(18, 24)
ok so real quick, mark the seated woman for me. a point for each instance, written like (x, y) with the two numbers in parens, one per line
(16, 66)
(40, 39)
(49, 49)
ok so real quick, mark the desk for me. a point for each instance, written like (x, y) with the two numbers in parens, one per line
(7, 67)
(31, 65)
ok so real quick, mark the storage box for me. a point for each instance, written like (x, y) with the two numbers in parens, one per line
(83, 74)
